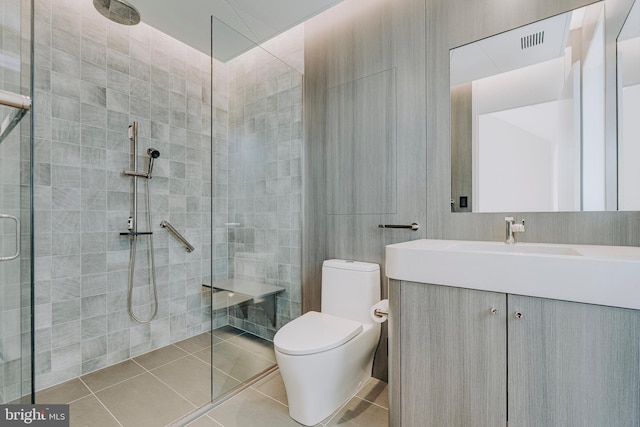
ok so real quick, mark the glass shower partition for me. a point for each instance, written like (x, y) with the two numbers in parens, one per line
(15, 201)
(257, 90)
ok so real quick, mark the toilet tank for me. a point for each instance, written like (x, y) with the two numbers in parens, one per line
(350, 288)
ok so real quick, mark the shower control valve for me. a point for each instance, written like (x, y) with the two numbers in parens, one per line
(130, 223)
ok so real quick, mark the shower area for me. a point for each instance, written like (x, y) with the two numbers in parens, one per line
(152, 277)
(15, 200)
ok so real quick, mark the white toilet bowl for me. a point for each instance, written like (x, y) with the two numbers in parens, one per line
(324, 358)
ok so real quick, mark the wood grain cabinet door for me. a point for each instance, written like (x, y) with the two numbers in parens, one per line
(572, 365)
(453, 364)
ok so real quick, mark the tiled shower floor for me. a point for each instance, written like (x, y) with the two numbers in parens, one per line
(156, 388)
(160, 387)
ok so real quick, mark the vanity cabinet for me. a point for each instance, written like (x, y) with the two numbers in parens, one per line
(463, 358)
(453, 364)
(572, 364)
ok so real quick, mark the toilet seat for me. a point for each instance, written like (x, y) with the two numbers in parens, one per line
(315, 332)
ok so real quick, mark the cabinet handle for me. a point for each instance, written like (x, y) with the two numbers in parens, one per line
(493, 311)
(518, 315)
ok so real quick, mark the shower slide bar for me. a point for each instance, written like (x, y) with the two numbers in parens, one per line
(21, 103)
(188, 246)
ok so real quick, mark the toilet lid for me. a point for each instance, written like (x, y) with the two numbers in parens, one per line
(315, 332)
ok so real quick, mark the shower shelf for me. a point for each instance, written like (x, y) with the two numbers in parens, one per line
(136, 233)
(241, 292)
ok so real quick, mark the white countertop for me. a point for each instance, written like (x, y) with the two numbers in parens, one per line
(605, 275)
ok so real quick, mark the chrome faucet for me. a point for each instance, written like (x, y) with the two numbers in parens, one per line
(511, 229)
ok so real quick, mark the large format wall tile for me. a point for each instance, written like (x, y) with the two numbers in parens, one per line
(93, 78)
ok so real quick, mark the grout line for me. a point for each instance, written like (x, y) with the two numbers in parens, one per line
(203, 360)
(367, 400)
(220, 371)
(355, 396)
(100, 402)
(138, 363)
(229, 375)
(174, 390)
(187, 354)
(171, 388)
(251, 352)
(270, 397)
(248, 340)
(164, 364)
(145, 371)
(222, 399)
(114, 384)
(192, 352)
(227, 339)
(252, 389)
(373, 403)
(335, 413)
(241, 381)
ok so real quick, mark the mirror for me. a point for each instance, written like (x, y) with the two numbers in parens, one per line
(628, 61)
(528, 117)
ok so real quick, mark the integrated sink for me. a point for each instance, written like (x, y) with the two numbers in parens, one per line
(605, 275)
(520, 248)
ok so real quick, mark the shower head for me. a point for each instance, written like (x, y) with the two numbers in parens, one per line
(153, 154)
(118, 11)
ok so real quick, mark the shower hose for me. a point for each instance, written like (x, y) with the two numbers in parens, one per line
(153, 288)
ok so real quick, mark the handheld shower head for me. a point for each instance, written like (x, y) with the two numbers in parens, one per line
(153, 154)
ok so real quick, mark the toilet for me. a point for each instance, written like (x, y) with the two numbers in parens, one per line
(325, 358)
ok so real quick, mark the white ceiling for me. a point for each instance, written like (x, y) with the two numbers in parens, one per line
(631, 28)
(502, 52)
(239, 24)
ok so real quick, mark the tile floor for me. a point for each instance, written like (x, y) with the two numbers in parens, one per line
(160, 387)
(264, 404)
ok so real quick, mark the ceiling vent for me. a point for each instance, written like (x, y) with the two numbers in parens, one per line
(532, 40)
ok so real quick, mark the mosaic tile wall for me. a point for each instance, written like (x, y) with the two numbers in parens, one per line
(92, 79)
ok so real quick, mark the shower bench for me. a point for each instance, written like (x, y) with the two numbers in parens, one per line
(241, 292)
